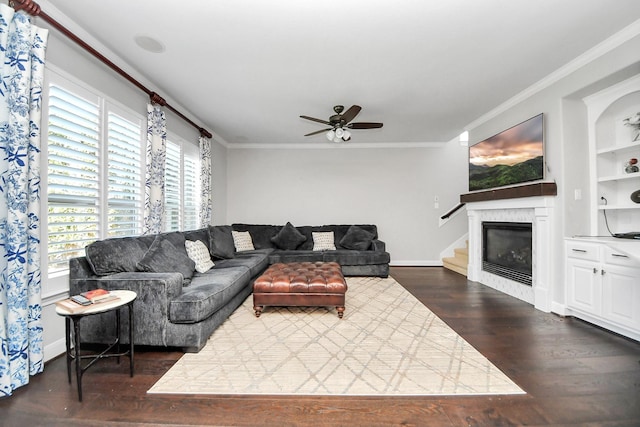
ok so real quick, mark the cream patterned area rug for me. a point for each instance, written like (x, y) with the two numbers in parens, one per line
(387, 344)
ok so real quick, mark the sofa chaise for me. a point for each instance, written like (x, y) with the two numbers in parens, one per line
(182, 300)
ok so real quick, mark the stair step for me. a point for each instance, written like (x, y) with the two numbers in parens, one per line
(455, 264)
(462, 253)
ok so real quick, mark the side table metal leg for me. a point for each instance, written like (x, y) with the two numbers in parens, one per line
(131, 328)
(76, 344)
(118, 335)
(67, 330)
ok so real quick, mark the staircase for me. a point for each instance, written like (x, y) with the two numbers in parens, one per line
(459, 261)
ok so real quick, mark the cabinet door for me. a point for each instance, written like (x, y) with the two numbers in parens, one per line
(621, 295)
(584, 286)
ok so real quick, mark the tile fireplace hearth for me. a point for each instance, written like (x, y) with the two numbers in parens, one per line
(539, 213)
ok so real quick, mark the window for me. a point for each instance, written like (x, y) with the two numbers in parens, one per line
(73, 175)
(125, 173)
(81, 208)
(172, 196)
(192, 197)
(182, 186)
(95, 173)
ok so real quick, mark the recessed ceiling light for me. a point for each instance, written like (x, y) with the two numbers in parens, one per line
(149, 44)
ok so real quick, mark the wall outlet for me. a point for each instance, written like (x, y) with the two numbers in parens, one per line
(577, 194)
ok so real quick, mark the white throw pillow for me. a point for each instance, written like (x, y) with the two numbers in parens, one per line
(323, 241)
(242, 241)
(199, 253)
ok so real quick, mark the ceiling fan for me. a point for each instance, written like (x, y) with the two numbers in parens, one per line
(340, 123)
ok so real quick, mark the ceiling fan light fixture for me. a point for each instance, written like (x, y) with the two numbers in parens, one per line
(339, 132)
(331, 135)
(346, 135)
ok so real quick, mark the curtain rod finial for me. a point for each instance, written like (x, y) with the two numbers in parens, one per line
(205, 133)
(157, 99)
(29, 6)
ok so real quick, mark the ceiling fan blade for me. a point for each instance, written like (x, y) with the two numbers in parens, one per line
(364, 125)
(351, 113)
(317, 132)
(313, 119)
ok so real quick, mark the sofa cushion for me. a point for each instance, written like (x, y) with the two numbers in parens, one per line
(288, 238)
(261, 234)
(199, 253)
(357, 238)
(242, 241)
(323, 241)
(208, 293)
(201, 234)
(256, 261)
(350, 257)
(295, 256)
(115, 255)
(221, 242)
(164, 257)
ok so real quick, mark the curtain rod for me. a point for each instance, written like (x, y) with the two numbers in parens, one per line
(32, 8)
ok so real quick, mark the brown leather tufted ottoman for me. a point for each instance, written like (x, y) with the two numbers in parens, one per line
(303, 284)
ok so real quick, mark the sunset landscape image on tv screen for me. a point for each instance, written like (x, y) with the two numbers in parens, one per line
(513, 156)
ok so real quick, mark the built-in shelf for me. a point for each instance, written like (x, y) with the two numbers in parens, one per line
(620, 177)
(611, 148)
(527, 190)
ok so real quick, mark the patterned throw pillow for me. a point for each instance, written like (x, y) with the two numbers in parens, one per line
(199, 253)
(323, 241)
(242, 241)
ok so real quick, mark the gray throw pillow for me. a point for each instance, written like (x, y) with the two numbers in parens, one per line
(163, 257)
(221, 243)
(288, 238)
(357, 239)
(115, 255)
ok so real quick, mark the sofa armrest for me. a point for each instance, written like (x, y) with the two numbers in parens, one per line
(378, 246)
(80, 268)
(155, 290)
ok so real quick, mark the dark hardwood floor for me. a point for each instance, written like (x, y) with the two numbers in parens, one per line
(574, 374)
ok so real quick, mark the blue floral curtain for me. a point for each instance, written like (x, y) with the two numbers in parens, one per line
(156, 159)
(22, 49)
(205, 181)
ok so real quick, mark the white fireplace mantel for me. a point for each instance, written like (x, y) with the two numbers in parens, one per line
(535, 210)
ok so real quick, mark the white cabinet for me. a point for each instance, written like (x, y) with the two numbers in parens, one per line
(603, 285)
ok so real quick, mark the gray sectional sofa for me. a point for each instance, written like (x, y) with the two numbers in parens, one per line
(178, 306)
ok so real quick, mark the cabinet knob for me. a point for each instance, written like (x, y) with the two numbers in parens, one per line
(595, 270)
(602, 272)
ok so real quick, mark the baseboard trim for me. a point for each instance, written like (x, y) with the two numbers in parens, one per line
(416, 263)
(55, 349)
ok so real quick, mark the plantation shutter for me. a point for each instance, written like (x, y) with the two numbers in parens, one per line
(191, 188)
(73, 176)
(124, 195)
(172, 187)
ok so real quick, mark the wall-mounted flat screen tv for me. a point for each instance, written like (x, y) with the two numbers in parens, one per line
(513, 156)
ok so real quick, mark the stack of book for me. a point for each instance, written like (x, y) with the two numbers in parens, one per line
(79, 303)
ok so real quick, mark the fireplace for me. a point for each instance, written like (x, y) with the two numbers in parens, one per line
(536, 211)
(507, 250)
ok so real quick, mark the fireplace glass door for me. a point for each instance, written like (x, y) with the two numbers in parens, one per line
(507, 250)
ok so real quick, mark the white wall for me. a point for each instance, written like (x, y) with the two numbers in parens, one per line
(393, 188)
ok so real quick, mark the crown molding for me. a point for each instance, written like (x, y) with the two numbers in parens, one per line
(335, 146)
(590, 55)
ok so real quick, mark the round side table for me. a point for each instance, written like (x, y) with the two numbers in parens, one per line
(72, 334)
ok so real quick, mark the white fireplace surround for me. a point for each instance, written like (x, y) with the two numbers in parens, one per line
(537, 211)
